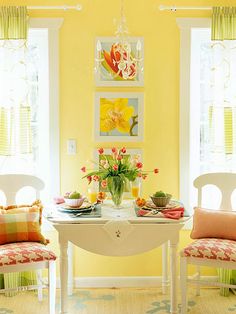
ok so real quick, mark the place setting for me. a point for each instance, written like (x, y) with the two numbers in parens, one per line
(160, 205)
(75, 205)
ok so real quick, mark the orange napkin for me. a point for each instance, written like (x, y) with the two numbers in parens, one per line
(172, 213)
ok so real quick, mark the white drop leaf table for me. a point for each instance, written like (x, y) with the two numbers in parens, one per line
(119, 232)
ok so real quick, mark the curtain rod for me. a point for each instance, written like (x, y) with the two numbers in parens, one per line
(174, 8)
(77, 7)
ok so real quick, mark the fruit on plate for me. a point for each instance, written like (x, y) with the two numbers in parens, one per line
(159, 194)
(140, 202)
(160, 198)
(101, 196)
(73, 195)
(74, 199)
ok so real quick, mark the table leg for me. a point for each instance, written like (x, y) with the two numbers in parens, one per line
(173, 277)
(165, 280)
(70, 269)
(64, 274)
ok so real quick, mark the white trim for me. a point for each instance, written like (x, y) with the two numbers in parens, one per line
(65, 7)
(122, 282)
(188, 23)
(52, 25)
(174, 8)
(185, 25)
(127, 138)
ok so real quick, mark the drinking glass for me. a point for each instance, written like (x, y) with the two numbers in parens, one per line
(135, 188)
(92, 194)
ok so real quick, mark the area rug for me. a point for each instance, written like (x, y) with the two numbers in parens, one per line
(120, 301)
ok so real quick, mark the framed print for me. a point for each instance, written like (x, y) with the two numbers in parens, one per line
(108, 69)
(108, 154)
(118, 117)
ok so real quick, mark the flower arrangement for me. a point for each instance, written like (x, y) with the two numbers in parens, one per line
(115, 170)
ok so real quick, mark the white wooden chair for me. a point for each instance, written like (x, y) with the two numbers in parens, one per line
(226, 182)
(10, 184)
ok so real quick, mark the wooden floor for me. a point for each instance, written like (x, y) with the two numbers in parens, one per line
(120, 301)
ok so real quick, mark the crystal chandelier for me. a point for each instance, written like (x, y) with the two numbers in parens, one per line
(123, 60)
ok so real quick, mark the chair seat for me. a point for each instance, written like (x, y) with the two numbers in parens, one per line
(24, 252)
(212, 249)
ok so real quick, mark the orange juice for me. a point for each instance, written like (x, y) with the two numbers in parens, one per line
(135, 191)
(92, 196)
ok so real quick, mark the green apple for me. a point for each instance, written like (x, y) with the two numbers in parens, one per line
(160, 194)
(74, 195)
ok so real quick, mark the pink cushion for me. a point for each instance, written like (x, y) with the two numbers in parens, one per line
(213, 249)
(213, 224)
(24, 252)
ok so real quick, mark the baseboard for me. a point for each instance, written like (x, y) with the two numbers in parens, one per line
(121, 282)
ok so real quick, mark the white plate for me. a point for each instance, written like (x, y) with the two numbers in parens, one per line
(67, 208)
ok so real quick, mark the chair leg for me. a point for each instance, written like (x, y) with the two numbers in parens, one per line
(39, 281)
(183, 285)
(52, 287)
(198, 278)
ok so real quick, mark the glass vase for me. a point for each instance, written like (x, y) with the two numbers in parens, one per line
(116, 186)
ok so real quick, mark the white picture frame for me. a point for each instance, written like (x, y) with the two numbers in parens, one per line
(129, 127)
(103, 76)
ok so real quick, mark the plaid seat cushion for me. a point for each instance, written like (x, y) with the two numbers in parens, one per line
(212, 249)
(20, 227)
(24, 252)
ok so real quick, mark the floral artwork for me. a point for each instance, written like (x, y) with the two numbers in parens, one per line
(107, 72)
(119, 117)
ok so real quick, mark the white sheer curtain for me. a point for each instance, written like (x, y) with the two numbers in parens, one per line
(218, 106)
(15, 109)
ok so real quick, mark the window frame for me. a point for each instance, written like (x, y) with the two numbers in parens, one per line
(53, 26)
(185, 25)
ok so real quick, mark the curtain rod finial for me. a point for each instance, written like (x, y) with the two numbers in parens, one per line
(78, 7)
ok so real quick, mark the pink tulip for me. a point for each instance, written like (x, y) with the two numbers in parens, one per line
(83, 169)
(104, 183)
(114, 150)
(123, 150)
(119, 157)
(95, 178)
(139, 165)
(115, 167)
(101, 150)
(89, 178)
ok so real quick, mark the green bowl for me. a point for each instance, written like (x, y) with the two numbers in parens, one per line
(161, 201)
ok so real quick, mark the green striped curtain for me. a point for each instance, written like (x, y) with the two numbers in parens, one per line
(15, 131)
(25, 134)
(228, 129)
(4, 133)
(223, 26)
(15, 123)
(13, 22)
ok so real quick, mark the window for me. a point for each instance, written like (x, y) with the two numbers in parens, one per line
(207, 109)
(34, 135)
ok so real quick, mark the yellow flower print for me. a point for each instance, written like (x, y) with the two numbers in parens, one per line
(115, 114)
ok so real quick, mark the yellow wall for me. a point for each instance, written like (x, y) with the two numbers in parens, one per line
(161, 91)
